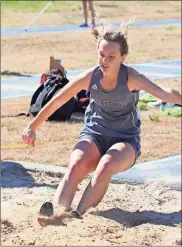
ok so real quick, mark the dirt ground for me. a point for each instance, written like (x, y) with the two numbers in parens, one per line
(27, 55)
(129, 215)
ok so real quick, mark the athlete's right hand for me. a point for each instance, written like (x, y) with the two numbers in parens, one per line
(29, 136)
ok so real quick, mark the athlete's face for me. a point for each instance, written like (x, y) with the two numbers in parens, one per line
(109, 57)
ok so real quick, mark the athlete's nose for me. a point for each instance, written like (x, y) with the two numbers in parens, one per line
(104, 60)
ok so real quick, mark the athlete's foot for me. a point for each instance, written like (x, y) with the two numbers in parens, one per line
(92, 24)
(83, 24)
(75, 214)
(44, 221)
(53, 220)
(47, 214)
(47, 209)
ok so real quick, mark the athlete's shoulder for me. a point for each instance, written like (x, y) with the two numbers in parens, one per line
(132, 71)
(89, 72)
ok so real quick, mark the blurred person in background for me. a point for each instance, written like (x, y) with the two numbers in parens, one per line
(85, 13)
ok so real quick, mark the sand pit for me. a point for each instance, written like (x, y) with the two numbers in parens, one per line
(128, 215)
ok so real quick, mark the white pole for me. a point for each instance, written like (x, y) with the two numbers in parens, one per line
(39, 14)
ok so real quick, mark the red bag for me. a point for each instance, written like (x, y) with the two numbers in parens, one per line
(50, 74)
(55, 69)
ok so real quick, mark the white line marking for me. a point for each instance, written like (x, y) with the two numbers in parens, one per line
(72, 73)
(163, 160)
(163, 61)
(156, 74)
(161, 66)
(10, 87)
(15, 96)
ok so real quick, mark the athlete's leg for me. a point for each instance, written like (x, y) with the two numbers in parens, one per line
(83, 160)
(118, 158)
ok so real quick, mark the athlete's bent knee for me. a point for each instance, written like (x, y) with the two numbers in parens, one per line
(78, 169)
(103, 172)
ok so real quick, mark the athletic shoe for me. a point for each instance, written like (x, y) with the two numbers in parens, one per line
(83, 25)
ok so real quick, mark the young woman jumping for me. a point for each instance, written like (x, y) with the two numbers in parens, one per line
(110, 140)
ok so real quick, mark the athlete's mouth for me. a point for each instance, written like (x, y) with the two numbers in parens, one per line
(104, 66)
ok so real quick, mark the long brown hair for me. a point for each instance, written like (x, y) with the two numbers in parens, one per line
(103, 32)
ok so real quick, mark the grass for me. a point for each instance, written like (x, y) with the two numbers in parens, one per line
(23, 6)
(36, 6)
(178, 9)
(154, 118)
(170, 28)
(108, 4)
(160, 11)
(143, 107)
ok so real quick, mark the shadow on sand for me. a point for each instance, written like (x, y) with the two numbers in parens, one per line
(14, 175)
(133, 219)
(12, 73)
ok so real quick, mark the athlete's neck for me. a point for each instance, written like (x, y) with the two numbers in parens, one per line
(110, 77)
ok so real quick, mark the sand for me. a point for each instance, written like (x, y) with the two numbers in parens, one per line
(147, 214)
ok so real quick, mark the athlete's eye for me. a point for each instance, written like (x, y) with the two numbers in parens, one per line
(101, 54)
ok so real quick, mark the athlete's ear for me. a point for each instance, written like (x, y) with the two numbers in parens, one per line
(123, 58)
